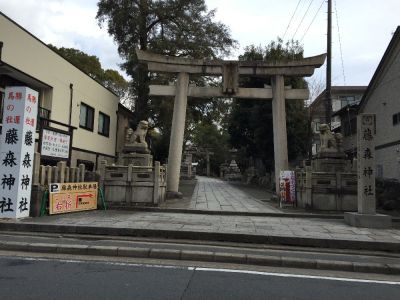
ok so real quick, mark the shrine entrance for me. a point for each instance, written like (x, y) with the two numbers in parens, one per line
(230, 72)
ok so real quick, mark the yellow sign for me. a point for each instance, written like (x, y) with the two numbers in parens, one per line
(71, 197)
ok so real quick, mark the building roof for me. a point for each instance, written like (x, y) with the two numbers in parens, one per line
(338, 90)
(124, 110)
(380, 70)
(346, 109)
(39, 40)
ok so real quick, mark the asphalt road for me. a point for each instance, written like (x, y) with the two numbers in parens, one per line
(33, 278)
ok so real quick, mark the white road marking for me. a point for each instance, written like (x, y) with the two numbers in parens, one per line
(298, 276)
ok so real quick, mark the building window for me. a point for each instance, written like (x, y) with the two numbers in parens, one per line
(86, 117)
(396, 119)
(104, 124)
(347, 100)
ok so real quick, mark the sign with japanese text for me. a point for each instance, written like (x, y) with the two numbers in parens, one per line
(366, 163)
(72, 197)
(17, 144)
(55, 144)
(287, 187)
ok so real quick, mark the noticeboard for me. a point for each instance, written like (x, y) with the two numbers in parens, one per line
(72, 197)
(55, 143)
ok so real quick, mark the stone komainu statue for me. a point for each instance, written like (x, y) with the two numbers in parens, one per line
(138, 136)
(330, 142)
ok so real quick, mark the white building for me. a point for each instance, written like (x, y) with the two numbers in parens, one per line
(66, 94)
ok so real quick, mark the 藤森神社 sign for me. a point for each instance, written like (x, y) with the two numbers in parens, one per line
(17, 144)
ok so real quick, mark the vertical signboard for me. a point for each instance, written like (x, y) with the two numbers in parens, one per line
(17, 144)
(366, 163)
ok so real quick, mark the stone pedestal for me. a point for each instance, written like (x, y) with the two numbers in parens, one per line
(332, 165)
(368, 220)
(136, 159)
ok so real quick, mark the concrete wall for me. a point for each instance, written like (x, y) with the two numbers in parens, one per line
(384, 101)
(27, 54)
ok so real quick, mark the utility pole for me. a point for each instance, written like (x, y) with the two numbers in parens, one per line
(328, 89)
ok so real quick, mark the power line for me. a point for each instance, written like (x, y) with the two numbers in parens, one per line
(312, 21)
(302, 19)
(291, 19)
(340, 44)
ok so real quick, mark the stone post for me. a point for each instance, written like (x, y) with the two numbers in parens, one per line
(366, 195)
(61, 166)
(308, 187)
(54, 171)
(177, 131)
(279, 127)
(156, 190)
(67, 174)
(48, 174)
(189, 162)
(208, 163)
(82, 173)
(73, 175)
(42, 175)
(36, 169)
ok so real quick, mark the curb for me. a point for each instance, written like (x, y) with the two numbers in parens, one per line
(228, 213)
(210, 236)
(205, 256)
(333, 216)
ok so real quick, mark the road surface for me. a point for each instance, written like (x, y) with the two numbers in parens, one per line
(44, 278)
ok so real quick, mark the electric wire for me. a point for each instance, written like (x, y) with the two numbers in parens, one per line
(302, 19)
(291, 19)
(340, 43)
(312, 21)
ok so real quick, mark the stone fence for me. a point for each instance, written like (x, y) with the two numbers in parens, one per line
(44, 175)
(325, 190)
(126, 186)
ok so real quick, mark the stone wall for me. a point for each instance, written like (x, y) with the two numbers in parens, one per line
(326, 191)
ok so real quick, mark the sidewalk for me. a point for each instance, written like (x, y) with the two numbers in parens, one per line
(324, 233)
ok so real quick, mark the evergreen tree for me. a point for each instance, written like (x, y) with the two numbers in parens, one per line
(250, 121)
(182, 28)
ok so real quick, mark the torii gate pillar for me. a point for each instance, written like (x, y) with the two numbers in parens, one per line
(177, 133)
(279, 127)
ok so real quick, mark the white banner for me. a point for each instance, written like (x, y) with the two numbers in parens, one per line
(287, 187)
(17, 145)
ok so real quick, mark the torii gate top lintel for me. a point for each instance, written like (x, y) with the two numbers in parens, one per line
(170, 64)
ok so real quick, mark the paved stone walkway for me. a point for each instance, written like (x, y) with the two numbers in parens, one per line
(218, 195)
(287, 227)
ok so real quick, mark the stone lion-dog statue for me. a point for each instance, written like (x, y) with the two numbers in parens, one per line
(139, 135)
(329, 141)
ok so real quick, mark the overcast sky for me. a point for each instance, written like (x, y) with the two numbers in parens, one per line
(365, 27)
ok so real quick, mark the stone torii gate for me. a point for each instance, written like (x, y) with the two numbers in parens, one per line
(230, 72)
